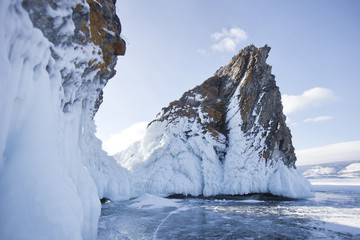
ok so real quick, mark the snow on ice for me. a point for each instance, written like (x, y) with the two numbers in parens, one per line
(148, 201)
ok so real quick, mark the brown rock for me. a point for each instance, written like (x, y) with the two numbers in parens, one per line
(260, 105)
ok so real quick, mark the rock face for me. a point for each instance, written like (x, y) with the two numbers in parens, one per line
(226, 136)
(56, 56)
(80, 25)
(259, 103)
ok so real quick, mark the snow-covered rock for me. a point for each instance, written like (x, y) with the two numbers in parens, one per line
(55, 58)
(226, 136)
(319, 171)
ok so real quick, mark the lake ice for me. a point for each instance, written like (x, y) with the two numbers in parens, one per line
(332, 214)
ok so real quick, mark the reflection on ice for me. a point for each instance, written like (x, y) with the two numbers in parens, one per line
(331, 215)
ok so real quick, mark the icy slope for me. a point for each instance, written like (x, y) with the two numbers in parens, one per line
(55, 60)
(343, 174)
(226, 136)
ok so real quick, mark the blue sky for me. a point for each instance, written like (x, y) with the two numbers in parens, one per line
(172, 46)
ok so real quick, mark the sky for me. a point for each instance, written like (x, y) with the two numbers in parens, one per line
(172, 46)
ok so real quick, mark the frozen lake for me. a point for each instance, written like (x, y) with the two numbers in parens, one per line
(332, 214)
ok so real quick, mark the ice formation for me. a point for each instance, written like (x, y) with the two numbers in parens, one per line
(226, 136)
(52, 168)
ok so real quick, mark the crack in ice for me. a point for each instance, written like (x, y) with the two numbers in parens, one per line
(171, 213)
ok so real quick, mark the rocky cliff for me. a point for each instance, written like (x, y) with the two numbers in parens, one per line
(259, 105)
(225, 136)
(56, 57)
(90, 29)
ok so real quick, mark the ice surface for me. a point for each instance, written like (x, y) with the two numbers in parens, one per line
(332, 214)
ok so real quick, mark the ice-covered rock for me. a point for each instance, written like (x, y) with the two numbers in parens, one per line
(55, 58)
(226, 136)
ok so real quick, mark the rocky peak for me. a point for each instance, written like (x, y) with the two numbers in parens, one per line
(248, 79)
(225, 136)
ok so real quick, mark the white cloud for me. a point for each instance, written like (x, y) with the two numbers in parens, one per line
(314, 97)
(318, 119)
(201, 51)
(345, 151)
(227, 40)
(120, 141)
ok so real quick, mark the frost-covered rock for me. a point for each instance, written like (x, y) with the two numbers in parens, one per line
(226, 136)
(55, 58)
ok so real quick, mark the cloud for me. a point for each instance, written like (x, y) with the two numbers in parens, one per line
(227, 40)
(201, 51)
(318, 119)
(344, 151)
(120, 141)
(312, 98)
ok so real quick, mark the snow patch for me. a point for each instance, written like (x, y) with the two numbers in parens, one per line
(149, 201)
(251, 201)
